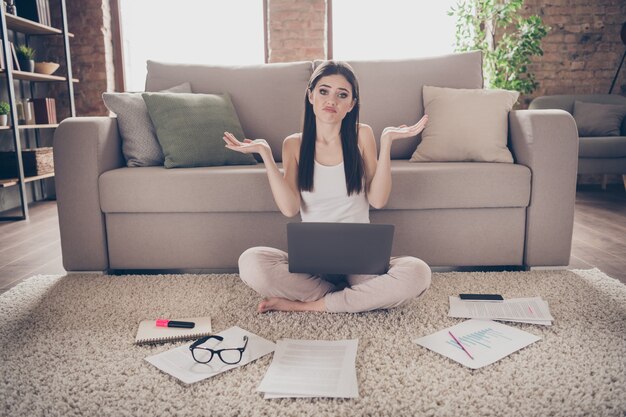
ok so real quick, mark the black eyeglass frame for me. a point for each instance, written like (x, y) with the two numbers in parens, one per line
(197, 343)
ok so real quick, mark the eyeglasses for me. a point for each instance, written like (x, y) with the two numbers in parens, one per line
(203, 354)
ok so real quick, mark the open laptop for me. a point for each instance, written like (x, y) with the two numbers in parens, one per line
(339, 248)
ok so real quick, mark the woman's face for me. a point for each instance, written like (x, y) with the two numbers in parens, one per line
(331, 98)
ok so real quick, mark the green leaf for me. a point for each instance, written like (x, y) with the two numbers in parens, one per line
(505, 62)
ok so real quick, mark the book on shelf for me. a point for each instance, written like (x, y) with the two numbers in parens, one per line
(16, 63)
(45, 111)
(45, 12)
(35, 10)
(1, 55)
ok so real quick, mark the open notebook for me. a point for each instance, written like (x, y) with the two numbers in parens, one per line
(148, 331)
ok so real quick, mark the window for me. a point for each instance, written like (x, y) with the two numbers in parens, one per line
(190, 31)
(391, 29)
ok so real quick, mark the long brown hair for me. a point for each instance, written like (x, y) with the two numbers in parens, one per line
(352, 160)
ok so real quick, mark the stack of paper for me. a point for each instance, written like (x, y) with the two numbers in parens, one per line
(312, 368)
(485, 340)
(179, 363)
(520, 310)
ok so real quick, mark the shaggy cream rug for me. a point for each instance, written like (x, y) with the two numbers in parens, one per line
(66, 349)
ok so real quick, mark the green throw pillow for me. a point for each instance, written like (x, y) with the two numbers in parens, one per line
(190, 128)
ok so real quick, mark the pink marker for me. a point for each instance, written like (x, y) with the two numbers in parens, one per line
(172, 323)
(461, 345)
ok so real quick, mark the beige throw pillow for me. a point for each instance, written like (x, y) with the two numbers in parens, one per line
(465, 125)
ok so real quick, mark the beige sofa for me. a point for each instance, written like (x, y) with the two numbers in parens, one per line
(448, 213)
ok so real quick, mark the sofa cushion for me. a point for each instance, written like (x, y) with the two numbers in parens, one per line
(602, 147)
(435, 185)
(245, 188)
(594, 119)
(139, 142)
(269, 98)
(466, 125)
(190, 128)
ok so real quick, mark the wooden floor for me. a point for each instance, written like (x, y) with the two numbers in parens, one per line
(33, 247)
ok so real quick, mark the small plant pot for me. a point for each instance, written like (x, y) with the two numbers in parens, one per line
(4, 119)
(27, 65)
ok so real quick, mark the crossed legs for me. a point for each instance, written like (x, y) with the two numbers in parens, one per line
(266, 270)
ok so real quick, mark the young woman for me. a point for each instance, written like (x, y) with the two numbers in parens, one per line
(331, 174)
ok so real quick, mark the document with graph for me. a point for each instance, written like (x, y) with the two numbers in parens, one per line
(477, 343)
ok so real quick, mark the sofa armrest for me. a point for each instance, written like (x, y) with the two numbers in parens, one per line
(84, 148)
(546, 141)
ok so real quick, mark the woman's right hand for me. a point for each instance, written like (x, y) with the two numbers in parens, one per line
(259, 146)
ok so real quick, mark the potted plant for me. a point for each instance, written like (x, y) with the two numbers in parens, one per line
(4, 111)
(26, 57)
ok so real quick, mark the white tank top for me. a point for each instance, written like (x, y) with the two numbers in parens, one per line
(329, 200)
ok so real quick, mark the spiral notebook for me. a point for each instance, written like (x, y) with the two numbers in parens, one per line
(148, 331)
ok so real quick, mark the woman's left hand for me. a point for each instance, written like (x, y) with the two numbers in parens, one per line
(401, 132)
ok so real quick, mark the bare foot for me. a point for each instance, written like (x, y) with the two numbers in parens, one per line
(283, 304)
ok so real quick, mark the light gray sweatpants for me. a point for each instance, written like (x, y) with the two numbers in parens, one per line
(266, 270)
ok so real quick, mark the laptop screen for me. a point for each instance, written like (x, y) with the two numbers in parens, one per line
(339, 248)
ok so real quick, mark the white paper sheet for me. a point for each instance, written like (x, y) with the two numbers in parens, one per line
(179, 363)
(487, 341)
(312, 368)
(522, 310)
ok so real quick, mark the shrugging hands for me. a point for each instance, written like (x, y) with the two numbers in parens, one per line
(259, 146)
(404, 131)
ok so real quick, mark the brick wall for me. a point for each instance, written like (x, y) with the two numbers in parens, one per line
(297, 30)
(582, 50)
(91, 52)
(90, 21)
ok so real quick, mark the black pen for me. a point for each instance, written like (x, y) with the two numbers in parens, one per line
(173, 323)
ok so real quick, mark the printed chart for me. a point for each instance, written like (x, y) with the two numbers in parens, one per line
(485, 338)
(483, 342)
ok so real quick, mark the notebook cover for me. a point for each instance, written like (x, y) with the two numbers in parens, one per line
(148, 331)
